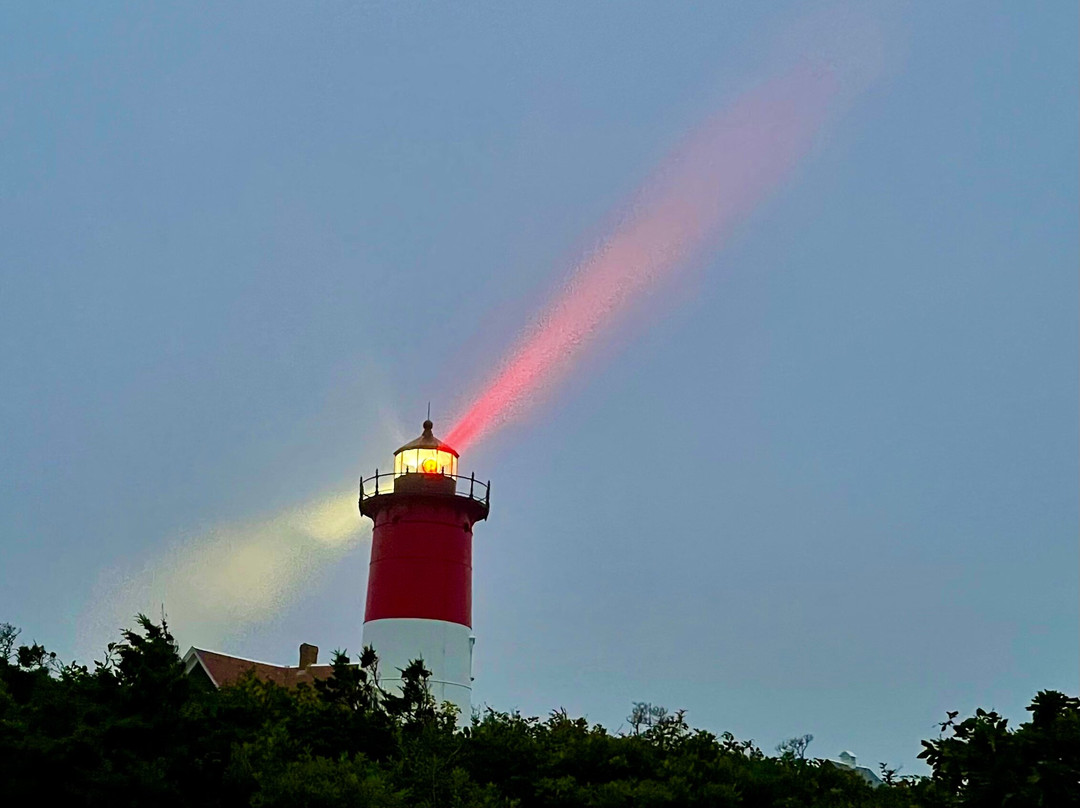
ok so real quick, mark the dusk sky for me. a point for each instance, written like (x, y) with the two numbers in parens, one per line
(820, 475)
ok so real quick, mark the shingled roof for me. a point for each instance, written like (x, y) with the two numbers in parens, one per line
(222, 670)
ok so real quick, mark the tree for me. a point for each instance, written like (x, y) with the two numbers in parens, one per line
(795, 747)
(8, 635)
(136, 731)
(645, 716)
(355, 687)
(319, 782)
(984, 763)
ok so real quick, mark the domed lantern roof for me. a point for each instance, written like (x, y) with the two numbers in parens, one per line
(426, 455)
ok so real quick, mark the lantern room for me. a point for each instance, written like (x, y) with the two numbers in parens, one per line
(425, 468)
(426, 455)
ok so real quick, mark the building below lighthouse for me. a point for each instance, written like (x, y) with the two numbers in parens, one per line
(419, 593)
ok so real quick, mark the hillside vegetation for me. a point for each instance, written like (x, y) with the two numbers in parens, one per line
(134, 731)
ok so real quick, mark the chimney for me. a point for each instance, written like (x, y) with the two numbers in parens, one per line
(309, 655)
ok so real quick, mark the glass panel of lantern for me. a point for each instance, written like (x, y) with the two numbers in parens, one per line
(425, 461)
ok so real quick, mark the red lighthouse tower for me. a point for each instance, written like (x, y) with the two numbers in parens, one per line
(419, 595)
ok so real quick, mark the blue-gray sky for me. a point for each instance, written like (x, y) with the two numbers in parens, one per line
(828, 484)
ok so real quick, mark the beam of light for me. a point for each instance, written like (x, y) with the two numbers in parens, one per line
(725, 169)
(218, 581)
(215, 583)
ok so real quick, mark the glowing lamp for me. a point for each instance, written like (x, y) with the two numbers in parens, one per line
(427, 455)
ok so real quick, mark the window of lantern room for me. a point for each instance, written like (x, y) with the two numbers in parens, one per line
(424, 461)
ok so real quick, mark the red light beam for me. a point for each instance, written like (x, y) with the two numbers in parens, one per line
(727, 167)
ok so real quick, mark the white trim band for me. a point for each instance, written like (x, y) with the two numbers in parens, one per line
(445, 647)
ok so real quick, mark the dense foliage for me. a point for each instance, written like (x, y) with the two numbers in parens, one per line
(134, 731)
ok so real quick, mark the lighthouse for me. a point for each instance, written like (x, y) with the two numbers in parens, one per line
(419, 593)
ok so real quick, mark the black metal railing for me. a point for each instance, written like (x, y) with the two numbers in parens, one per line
(467, 487)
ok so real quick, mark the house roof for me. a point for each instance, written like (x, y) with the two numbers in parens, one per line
(223, 669)
(848, 761)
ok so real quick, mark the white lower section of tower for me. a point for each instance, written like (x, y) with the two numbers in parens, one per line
(445, 647)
